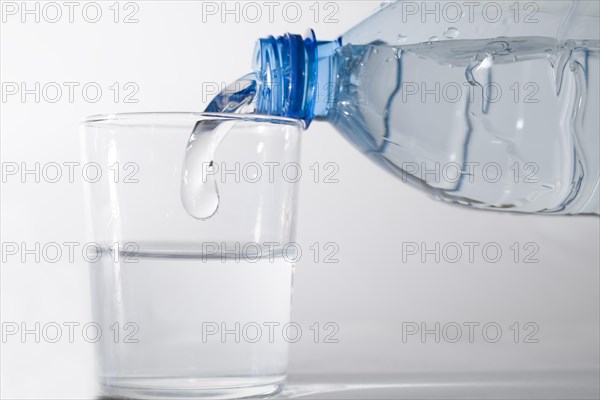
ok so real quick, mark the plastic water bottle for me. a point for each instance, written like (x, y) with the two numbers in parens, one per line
(489, 105)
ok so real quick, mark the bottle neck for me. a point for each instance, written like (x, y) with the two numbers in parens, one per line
(291, 70)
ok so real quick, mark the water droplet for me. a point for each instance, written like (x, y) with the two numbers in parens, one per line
(199, 191)
(433, 39)
(451, 33)
(402, 38)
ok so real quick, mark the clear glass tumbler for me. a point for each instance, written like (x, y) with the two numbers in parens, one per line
(191, 307)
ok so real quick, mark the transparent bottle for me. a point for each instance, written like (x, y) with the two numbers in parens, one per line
(492, 105)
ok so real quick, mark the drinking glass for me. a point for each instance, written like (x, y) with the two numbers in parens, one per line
(191, 306)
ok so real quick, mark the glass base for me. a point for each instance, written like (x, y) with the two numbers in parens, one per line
(190, 388)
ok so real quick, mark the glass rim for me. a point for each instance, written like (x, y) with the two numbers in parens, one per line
(98, 119)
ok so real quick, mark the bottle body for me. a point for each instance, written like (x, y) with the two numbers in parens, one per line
(504, 122)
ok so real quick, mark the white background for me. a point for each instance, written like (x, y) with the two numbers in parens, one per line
(169, 54)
